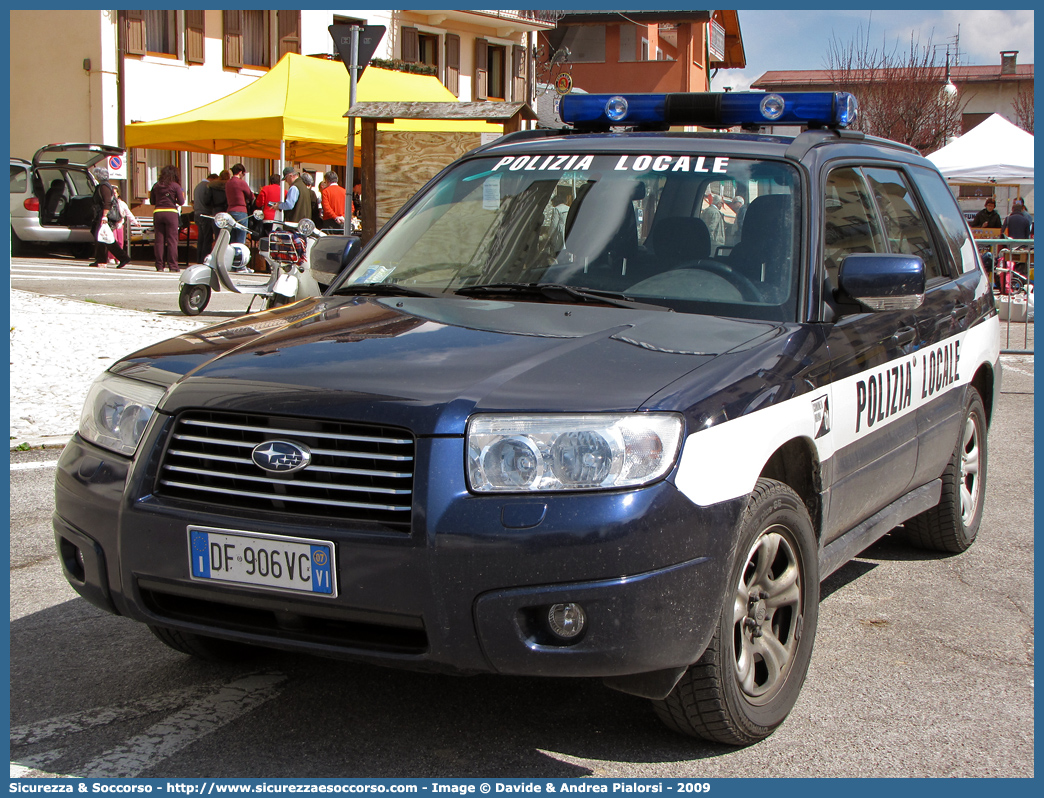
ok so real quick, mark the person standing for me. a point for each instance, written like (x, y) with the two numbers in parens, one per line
(988, 216)
(201, 210)
(308, 187)
(357, 201)
(333, 201)
(715, 222)
(126, 219)
(239, 196)
(268, 197)
(1018, 224)
(298, 204)
(216, 197)
(166, 197)
(104, 208)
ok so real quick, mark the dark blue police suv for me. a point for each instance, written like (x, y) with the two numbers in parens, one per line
(600, 402)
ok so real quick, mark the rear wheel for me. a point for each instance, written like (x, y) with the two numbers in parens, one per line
(211, 649)
(749, 677)
(952, 525)
(193, 299)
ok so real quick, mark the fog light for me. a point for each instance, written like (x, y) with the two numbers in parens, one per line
(566, 620)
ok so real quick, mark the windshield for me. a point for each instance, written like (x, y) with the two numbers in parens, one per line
(698, 234)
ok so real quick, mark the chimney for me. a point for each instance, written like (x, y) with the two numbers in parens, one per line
(1008, 61)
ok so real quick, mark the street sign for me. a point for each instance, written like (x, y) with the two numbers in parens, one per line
(369, 37)
(117, 166)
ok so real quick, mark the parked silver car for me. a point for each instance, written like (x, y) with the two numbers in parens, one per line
(51, 196)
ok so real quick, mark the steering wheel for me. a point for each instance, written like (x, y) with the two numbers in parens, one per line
(747, 289)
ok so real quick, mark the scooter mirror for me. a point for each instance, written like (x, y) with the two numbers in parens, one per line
(306, 227)
(259, 215)
(224, 221)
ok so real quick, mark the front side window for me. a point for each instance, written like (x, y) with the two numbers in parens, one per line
(628, 225)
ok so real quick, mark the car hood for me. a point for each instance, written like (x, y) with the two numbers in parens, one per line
(427, 364)
(83, 155)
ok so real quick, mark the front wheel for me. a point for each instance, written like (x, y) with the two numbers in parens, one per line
(193, 299)
(748, 679)
(951, 526)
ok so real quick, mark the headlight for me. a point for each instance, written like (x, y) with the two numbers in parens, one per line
(117, 411)
(570, 452)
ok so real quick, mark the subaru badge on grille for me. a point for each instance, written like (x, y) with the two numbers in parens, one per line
(281, 457)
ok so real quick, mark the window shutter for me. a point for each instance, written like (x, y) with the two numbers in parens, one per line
(518, 87)
(479, 90)
(199, 166)
(195, 30)
(453, 63)
(135, 43)
(289, 24)
(140, 183)
(233, 39)
(410, 45)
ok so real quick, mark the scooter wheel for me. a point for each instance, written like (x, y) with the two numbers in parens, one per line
(193, 298)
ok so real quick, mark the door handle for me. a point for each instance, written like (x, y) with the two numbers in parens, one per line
(904, 336)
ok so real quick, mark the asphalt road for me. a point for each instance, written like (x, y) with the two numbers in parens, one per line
(923, 666)
(138, 286)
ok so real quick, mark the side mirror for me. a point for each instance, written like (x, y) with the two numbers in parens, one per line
(883, 282)
(332, 254)
(259, 215)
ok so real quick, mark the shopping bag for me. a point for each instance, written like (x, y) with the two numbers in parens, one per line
(105, 234)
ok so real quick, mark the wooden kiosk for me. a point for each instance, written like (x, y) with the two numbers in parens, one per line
(395, 164)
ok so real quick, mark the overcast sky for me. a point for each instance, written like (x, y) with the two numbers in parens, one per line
(801, 39)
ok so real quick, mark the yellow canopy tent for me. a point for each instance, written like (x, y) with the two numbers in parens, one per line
(300, 105)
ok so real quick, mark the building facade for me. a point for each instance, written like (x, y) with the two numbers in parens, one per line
(981, 90)
(106, 68)
(641, 51)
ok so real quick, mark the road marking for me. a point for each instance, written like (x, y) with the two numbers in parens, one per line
(199, 712)
(30, 466)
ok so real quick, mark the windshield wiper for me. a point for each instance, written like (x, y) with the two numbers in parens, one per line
(558, 293)
(381, 289)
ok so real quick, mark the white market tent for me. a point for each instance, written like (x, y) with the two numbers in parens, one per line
(994, 151)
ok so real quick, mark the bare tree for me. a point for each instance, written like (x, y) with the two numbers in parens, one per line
(1023, 107)
(902, 94)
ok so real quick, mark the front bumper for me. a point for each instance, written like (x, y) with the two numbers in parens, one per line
(467, 589)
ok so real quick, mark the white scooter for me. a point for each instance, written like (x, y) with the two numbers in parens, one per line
(289, 279)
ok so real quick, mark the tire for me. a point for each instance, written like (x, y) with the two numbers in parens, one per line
(733, 694)
(18, 247)
(193, 299)
(210, 649)
(951, 526)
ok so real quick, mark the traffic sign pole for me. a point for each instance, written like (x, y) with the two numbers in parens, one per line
(349, 171)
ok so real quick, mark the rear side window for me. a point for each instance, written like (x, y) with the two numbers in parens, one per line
(904, 225)
(19, 179)
(943, 207)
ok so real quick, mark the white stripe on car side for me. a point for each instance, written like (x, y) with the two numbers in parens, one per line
(723, 461)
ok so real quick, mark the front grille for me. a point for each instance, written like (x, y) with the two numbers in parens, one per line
(329, 626)
(357, 472)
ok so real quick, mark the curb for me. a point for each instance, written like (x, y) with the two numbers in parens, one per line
(42, 442)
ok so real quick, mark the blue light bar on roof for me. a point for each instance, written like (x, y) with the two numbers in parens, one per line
(709, 109)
